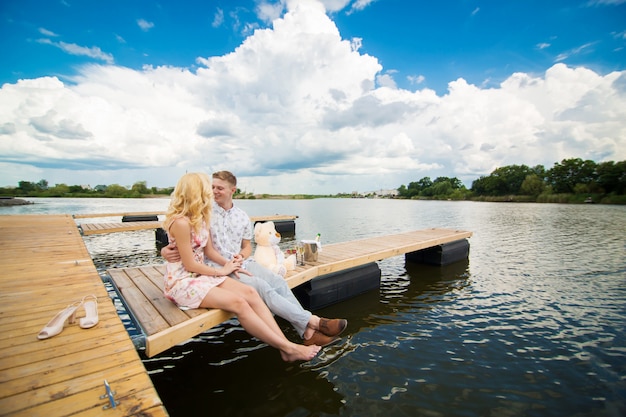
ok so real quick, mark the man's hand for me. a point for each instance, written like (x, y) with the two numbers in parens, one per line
(170, 253)
(238, 259)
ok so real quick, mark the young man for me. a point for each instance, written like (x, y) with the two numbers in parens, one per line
(231, 233)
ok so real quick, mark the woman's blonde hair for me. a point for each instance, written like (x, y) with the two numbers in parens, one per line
(191, 198)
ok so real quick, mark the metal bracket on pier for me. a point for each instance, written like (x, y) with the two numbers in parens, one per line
(111, 397)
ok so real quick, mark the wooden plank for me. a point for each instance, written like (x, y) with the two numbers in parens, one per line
(149, 317)
(46, 266)
(99, 228)
(133, 213)
(181, 332)
(146, 299)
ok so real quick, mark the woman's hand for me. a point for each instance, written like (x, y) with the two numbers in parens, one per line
(231, 266)
(235, 264)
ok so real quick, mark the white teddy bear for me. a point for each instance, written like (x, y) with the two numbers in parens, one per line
(267, 252)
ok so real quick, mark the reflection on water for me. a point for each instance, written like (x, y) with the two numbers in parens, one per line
(533, 324)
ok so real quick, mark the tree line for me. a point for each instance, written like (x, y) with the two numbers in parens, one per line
(43, 189)
(571, 180)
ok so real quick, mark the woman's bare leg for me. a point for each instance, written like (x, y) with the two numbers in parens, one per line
(225, 296)
(256, 302)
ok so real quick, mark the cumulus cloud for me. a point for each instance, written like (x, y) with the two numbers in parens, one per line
(296, 108)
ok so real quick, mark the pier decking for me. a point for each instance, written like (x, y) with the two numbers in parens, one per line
(165, 325)
(45, 267)
(87, 229)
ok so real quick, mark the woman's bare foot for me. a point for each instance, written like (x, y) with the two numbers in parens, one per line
(299, 353)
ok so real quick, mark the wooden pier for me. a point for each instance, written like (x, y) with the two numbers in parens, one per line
(45, 267)
(164, 325)
(93, 228)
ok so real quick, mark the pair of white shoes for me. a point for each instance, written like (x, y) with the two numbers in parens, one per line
(55, 326)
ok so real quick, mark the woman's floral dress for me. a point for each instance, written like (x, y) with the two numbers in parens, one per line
(188, 289)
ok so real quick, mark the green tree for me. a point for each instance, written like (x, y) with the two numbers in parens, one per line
(59, 190)
(116, 190)
(505, 180)
(140, 188)
(490, 185)
(26, 186)
(441, 188)
(611, 177)
(76, 189)
(533, 185)
(42, 185)
(564, 176)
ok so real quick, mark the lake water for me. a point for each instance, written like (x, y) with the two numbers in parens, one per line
(533, 324)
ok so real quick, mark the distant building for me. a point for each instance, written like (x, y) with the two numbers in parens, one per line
(386, 193)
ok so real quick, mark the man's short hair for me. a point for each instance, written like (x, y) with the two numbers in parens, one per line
(226, 176)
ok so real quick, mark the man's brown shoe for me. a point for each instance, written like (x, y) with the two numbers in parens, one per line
(332, 327)
(320, 339)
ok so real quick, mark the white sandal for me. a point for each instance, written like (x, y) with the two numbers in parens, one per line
(91, 312)
(55, 326)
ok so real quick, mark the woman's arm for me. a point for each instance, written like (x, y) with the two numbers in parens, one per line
(213, 254)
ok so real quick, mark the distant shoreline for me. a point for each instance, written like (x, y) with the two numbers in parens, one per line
(8, 201)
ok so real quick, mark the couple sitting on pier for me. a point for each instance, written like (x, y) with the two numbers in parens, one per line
(201, 259)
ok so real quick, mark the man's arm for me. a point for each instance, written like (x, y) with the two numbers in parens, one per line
(170, 253)
(246, 248)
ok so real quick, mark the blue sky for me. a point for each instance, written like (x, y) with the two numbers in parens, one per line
(307, 96)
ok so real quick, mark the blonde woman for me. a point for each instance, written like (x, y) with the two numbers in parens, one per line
(190, 283)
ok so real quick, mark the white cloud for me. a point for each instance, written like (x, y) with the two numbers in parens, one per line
(620, 35)
(73, 49)
(47, 32)
(356, 44)
(298, 109)
(361, 4)
(268, 12)
(575, 51)
(605, 2)
(218, 18)
(416, 79)
(386, 80)
(144, 24)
